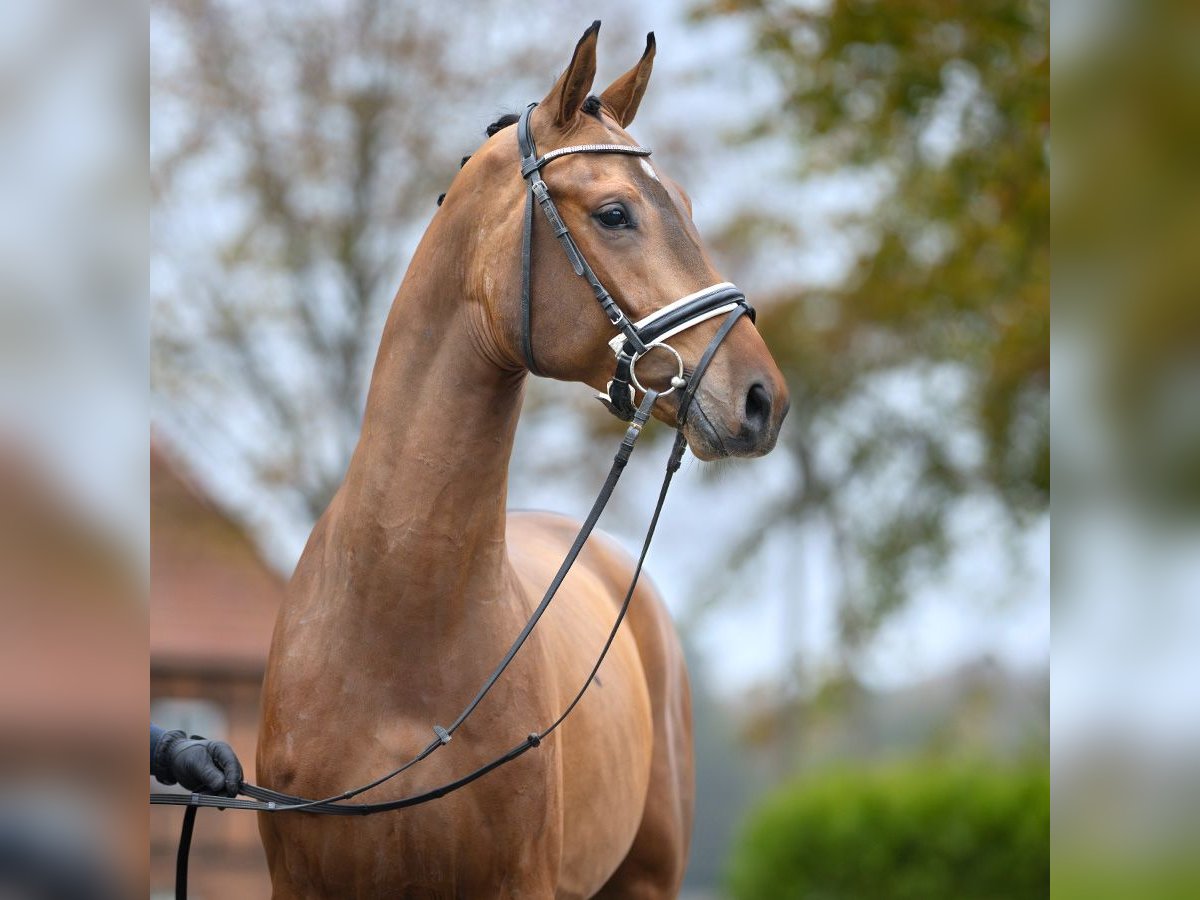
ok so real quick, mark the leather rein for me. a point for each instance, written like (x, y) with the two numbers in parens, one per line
(634, 341)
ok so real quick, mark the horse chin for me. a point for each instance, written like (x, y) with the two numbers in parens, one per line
(710, 443)
(703, 440)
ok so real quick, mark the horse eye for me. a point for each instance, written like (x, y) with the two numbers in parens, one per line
(613, 217)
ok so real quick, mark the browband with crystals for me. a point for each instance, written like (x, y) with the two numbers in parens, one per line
(534, 164)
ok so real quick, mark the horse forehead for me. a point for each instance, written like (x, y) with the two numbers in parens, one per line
(601, 171)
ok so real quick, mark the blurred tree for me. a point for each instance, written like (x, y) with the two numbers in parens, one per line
(296, 154)
(1128, 269)
(921, 378)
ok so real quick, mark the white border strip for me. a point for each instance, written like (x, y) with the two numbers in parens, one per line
(619, 341)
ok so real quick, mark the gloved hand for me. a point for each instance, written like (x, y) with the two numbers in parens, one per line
(197, 764)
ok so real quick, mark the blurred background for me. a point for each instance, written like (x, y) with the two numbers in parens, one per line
(868, 616)
(872, 689)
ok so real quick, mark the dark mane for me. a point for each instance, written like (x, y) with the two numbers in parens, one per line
(591, 106)
(501, 123)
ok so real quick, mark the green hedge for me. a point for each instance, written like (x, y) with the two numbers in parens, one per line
(916, 832)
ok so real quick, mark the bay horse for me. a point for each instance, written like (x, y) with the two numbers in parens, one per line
(415, 579)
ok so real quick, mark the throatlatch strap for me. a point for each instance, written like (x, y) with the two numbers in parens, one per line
(528, 150)
(526, 287)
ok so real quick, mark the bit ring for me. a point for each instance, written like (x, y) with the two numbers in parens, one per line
(677, 380)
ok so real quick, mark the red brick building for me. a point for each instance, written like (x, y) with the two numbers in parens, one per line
(213, 602)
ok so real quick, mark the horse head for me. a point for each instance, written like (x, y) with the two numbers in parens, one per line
(633, 225)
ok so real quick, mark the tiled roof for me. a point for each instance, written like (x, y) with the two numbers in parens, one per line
(213, 599)
(73, 633)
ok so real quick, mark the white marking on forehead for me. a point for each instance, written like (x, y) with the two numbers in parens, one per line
(649, 168)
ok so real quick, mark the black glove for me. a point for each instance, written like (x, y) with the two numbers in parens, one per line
(197, 764)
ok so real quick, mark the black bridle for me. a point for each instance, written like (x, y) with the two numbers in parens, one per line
(635, 340)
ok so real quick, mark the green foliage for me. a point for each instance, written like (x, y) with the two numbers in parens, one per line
(1174, 878)
(914, 832)
(941, 109)
(1127, 270)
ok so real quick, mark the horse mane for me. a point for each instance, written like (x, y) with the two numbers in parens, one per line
(591, 106)
(499, 125)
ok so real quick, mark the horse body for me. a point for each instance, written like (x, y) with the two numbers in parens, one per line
(409, 591)
(415, 580)
(556, 822)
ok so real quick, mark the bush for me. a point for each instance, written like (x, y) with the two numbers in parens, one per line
(916, 832)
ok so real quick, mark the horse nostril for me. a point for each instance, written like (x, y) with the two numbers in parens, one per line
(758, 408)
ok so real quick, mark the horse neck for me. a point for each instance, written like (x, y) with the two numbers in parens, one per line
(422, 511)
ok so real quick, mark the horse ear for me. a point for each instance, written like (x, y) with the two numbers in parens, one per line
(573, 85)
(624, 95)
